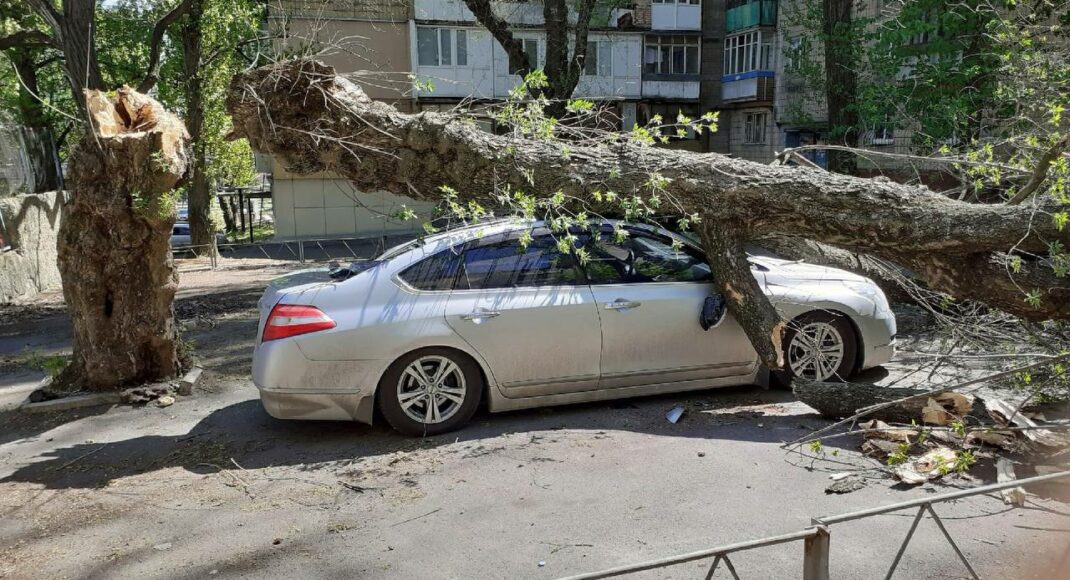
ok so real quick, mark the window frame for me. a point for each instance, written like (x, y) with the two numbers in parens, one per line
(751, 128)
(634, 232)
(664, 50)
(748, 51)
(451, 38)
(513, 236)
(455, 250)
(602, 48)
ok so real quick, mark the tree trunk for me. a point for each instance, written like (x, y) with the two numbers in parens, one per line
(841, 83)
(841, 400)
(76, 36)
(44, 157)
(226, 206)
(119, 279)
(313, 120)
(200, 195)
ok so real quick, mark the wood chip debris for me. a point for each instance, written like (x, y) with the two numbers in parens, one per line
(1005, 472)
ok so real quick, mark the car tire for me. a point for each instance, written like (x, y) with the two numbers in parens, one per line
(409, 388)
(838, 330)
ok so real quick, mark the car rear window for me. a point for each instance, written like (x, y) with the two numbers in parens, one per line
(434, 273)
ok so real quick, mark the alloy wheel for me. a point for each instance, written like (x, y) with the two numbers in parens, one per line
(816, 351)
(431, 389)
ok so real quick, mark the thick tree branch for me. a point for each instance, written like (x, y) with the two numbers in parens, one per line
(1041, 171)
(158, 31)
(313, 120)
(28, 39)
(583, 27)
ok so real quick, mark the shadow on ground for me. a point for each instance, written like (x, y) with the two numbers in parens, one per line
(244, 433)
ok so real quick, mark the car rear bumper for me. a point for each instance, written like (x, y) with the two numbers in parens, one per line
(294, 387)
(318, 406)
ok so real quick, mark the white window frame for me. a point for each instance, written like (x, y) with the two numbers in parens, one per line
(747, 51)
(602, 61)
(452, 37)
(691, 2)
(670, 42)
(755, 127)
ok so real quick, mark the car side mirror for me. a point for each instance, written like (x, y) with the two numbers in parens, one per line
(714, 311)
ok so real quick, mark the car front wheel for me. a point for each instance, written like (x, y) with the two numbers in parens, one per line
(820, 346)
(430, 391)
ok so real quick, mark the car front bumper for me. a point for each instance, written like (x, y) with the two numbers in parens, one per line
(878, 338)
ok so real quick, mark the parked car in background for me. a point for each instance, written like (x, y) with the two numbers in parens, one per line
(180, 236)
(431, 328)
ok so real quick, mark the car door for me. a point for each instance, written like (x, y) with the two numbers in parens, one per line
(529, 314)
(649, 296)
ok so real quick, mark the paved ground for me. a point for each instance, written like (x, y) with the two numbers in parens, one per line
(212, 486)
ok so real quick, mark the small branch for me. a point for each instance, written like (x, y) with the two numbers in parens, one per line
(1041, 171)
(158, 31)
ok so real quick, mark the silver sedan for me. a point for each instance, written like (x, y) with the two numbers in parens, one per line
(499, 313)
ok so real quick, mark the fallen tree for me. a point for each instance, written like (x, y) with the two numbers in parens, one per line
(314, 120)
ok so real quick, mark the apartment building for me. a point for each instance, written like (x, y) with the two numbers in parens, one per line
(369, 41)
(455, 59)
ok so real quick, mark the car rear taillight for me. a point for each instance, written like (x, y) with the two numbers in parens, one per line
(288, 320)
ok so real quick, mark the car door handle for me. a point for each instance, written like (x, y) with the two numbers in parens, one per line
(622, 304)
(481, 314)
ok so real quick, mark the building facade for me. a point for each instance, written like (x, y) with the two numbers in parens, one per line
(646, 58)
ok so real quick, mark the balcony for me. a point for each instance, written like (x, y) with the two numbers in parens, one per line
(749, 86)
(748, 14)
(457, 11)
(670, 15)
(685, 89)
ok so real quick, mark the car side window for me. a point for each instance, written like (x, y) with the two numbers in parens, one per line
(641, 258)
(507, 264)
(435, 273)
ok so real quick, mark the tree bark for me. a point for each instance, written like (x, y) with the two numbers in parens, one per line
(841, 400)
(313, 120)
(119, 279)
(199, 192)
(75, 32)
(44, 156)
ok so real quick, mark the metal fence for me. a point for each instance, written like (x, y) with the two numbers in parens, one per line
(341, 250)
(28, 161)
(816, 539)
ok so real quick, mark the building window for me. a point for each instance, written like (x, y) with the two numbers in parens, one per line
(691, 2)
(795, 54)
(441, 47)
(531, 49)
(754, 128)
(671, 55)
(599, 59)
(746, 52)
